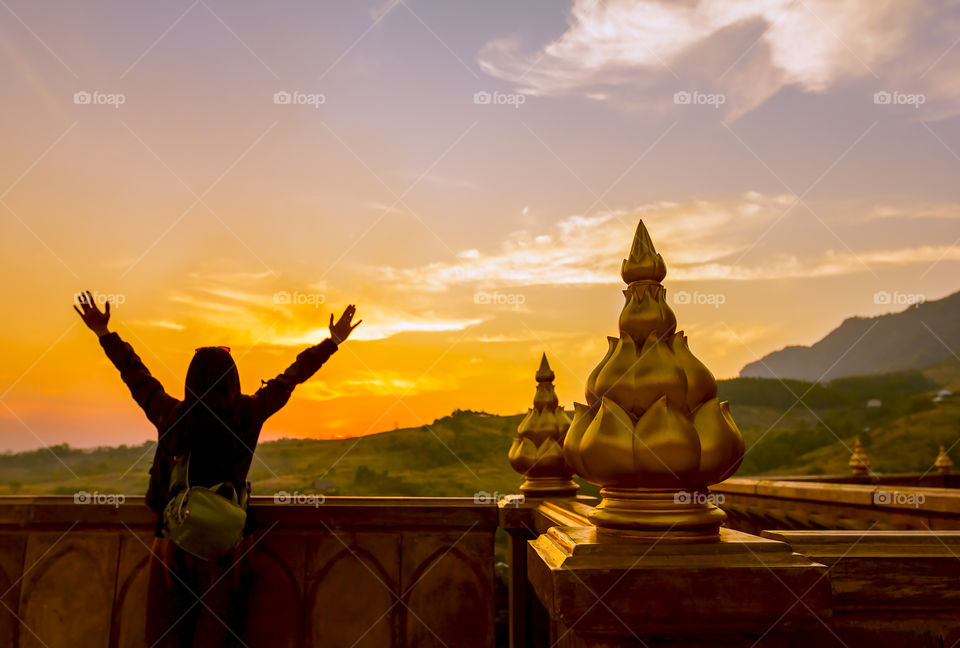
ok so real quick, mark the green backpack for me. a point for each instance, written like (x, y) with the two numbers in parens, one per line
(200, 520)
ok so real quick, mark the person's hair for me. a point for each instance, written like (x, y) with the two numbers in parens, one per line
(211, 401)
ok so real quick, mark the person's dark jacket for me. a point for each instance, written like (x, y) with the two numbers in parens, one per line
(165, 412)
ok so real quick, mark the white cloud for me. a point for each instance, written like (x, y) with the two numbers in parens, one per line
(379, 325)
(441, 181)
(829, 264)
(164, 324)
(700, 240)
(744, 238)
(256, 308)
(384, 383)
(588, 249)
(636, 53)
(921, 210)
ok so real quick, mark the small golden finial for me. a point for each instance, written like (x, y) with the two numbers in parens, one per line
(544, 373)
(943, 463)
(537, 450)
(859, 461)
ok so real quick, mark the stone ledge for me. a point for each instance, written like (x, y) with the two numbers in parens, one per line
(334, 512)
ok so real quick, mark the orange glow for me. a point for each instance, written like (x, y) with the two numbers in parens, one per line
(472, 236)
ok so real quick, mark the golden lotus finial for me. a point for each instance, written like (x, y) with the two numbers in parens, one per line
(859, 461)
(537, 450)
(943, 463)
(653, 433)
(643, 262)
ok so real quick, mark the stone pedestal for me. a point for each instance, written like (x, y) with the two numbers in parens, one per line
(741, 591)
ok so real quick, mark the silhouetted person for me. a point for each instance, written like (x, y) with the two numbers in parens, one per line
(192, 601)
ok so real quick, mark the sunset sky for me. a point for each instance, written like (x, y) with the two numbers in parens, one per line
(472, 236)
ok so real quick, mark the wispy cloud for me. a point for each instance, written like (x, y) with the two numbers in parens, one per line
(441, 181)
(385, 383)
(916, 211)
(164, 324)
(830, 264)
(701, 240)
(259, 307)
(380, 327)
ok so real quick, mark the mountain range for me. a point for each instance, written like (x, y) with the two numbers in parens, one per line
(918, 336)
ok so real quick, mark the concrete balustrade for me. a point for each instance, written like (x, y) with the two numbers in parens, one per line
(352, 571)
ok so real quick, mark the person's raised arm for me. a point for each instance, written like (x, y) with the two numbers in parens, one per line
(145, 389)
(275, 393)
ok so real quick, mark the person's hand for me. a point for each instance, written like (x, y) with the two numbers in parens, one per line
(342, 329)
(95, 320)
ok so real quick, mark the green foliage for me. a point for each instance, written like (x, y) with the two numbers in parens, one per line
(815, 435)
(779, 394)
(851, 392)
(858, 389)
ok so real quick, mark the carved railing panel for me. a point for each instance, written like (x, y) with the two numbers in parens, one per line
(353, 580)
(67, 592)
(277, 590)
(443, 580)
(130, 600)
(12, 546)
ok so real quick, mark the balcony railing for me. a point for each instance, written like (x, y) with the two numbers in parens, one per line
(353, 571)
(391, 572)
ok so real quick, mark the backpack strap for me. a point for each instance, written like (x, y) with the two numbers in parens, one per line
(180, 480)
(244, 494)
(179, 473)
(234, 493)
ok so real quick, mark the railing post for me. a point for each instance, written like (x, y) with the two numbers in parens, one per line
(529, 621)
(653, 433)
(650, 564)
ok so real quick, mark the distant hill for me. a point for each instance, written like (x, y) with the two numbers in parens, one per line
(463, 454)
(914, 338)
(790, 427)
